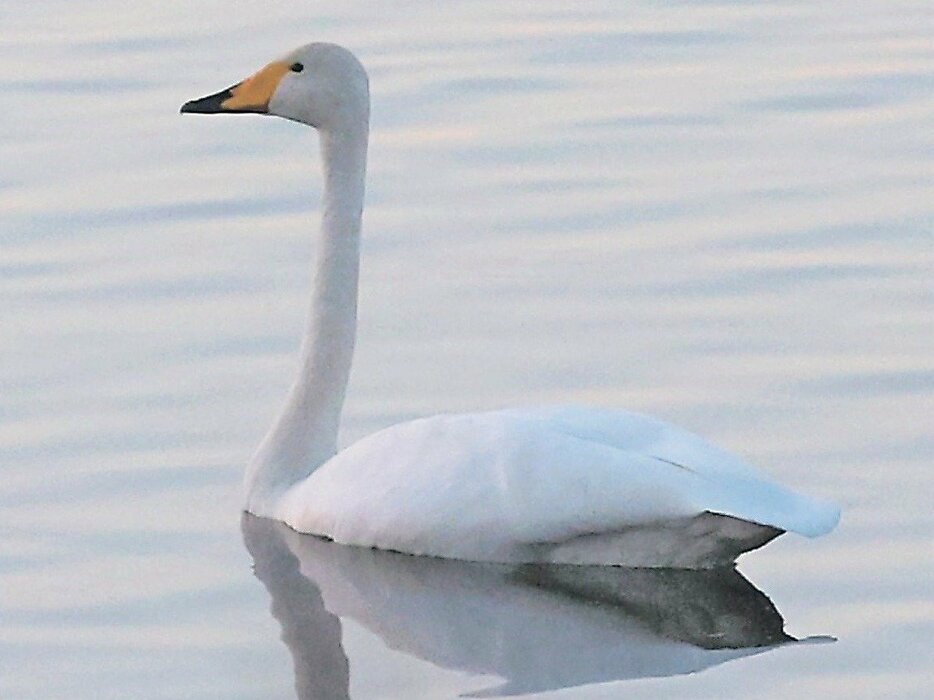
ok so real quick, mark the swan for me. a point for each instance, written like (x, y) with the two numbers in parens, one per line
(556, 484)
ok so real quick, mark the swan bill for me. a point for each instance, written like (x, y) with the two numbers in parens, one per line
(251, 96)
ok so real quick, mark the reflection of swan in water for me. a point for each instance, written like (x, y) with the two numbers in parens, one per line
(539, 627)
(312, 634)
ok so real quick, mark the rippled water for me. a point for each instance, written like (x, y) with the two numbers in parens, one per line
(717, 212)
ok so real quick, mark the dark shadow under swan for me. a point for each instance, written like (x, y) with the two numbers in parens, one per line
(539, 627)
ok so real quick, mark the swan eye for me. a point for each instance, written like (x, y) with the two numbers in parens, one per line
(296, 68)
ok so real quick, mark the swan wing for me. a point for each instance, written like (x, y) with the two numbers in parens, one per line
(745, 492)
(488, 486)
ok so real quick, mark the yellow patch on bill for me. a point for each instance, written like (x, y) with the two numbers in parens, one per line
(256, 91)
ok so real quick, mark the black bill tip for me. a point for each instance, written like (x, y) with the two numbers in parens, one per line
(214, 104)
(208, 105)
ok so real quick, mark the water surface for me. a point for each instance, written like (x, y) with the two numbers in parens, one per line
(716, 212)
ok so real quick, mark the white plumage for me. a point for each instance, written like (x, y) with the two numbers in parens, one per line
(539, 485)
(571, 485)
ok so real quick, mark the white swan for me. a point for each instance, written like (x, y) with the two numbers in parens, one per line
(563, 484)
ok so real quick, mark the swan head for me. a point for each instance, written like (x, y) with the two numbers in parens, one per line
(321, 85)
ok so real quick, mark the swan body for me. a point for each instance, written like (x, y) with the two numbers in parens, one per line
(560, 484)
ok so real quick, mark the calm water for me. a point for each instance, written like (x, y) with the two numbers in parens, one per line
(717, 212)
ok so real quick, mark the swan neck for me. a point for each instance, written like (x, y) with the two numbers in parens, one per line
(305, 435)
(328, 345)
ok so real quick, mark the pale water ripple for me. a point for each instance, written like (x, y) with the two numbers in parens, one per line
(718, 212)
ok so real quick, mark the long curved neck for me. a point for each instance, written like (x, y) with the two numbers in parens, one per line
(305, 434)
